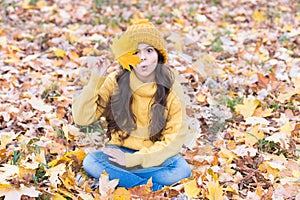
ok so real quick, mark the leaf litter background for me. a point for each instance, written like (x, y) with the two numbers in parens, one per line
(238, 62)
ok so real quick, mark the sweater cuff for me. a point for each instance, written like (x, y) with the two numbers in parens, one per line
(133, 159)
(95, 81)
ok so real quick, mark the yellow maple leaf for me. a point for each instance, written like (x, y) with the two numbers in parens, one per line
(59, 52)
(191, 189)
(6, 138)
(227, 154)
(247, 108)
(286, 128)
(259, 112)
(254, 135)
(124, 50)
(270, 168)
(79, 155)
(121, 194)
(258, 15)
(129, 60)
(215, 191)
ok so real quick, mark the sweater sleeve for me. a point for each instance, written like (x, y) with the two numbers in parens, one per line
(84, 107)
(174, 135)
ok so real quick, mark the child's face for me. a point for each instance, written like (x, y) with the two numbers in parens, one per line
(145, 70)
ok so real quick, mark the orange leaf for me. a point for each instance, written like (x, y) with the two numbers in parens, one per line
(129, 60)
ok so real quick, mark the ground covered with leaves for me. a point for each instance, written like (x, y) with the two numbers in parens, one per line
(237, 60)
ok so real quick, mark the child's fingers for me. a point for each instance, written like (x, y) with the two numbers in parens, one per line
(112, 69)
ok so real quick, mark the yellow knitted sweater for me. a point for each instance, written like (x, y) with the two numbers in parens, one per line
(148, 154)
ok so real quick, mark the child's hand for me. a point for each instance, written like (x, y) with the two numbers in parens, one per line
(115, 155)
(98, 65)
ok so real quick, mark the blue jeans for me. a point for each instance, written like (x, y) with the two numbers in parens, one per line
(169, 172)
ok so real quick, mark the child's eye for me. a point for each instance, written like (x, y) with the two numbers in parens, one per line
(149, 50)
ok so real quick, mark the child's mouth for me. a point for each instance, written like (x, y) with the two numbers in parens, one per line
(144, 67)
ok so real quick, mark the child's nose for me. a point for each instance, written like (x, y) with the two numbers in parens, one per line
(142, 55)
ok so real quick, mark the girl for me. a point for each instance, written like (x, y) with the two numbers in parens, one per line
(145, 110)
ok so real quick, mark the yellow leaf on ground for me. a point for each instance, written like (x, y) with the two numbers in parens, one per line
(270, 170)
(58, 197)
(254, 135)
(247, 108)
(286, 96)
(6, 138)
(259, 112)
(191, 189)
(121, 194)
(59, 52)
(66, 193)
(26, 5)
(201, 98)
(215, 191)
(15, 48)
(77, 155)
(286, 128)
(258, 15)
(40, 4)
(73, 56)
(228, 155)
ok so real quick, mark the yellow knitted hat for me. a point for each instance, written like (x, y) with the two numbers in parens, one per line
(144, 31)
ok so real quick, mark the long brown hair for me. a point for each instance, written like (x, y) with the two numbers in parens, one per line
(118, 111)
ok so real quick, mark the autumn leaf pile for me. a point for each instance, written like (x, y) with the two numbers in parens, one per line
(238, 62)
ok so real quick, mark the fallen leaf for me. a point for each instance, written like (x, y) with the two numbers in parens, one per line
(54, 174)
(191, 189)
(40, 105)
(121, 194)
(258, 15)
(59, 53)
(247, 108)
(11, 192)
(215, 191)
(106, 186)
(254, 136)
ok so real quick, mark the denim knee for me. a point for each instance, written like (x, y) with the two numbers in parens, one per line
(92, 166)
(175, 175)
(88, 160)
